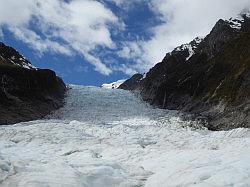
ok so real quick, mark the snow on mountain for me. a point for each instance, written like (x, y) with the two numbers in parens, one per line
(236, 22)
(9, 55)
(113, 85)
(190, 47)
(110, 138)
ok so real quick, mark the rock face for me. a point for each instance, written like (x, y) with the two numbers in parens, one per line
(208, 78)
(131, 83)
(26, 93)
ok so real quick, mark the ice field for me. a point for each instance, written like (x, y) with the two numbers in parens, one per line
(110, 138)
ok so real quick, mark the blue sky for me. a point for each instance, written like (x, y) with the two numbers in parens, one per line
(75, 69)
(91, 42)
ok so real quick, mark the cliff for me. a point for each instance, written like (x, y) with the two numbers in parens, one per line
(26, 93)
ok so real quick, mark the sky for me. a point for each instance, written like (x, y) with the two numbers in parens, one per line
(91, 42)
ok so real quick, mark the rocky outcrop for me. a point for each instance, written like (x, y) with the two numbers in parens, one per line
(208, 78)
(131, 83)
(26, 93)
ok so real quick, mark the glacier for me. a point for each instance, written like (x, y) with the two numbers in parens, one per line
(110, 138)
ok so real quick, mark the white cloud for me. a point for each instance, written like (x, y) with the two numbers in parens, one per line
(16, 12)
(99, 66)
(77, 26)
(130, 50)
(41, 45)
(126, 69)
(125, 4)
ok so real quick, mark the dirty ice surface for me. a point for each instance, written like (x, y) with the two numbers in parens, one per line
(110, 138)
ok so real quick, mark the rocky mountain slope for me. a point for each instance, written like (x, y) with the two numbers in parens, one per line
(208, 78)
(26, 93)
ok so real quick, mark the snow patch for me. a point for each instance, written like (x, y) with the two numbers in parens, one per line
(144, 75)
(190, 51)
(113, 85)
(236, 22)
(191, 47)
(28, 66)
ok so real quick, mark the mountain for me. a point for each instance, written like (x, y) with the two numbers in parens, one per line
(208, 78)
(26, 93)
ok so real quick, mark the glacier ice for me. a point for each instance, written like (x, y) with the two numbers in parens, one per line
(106, 138)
